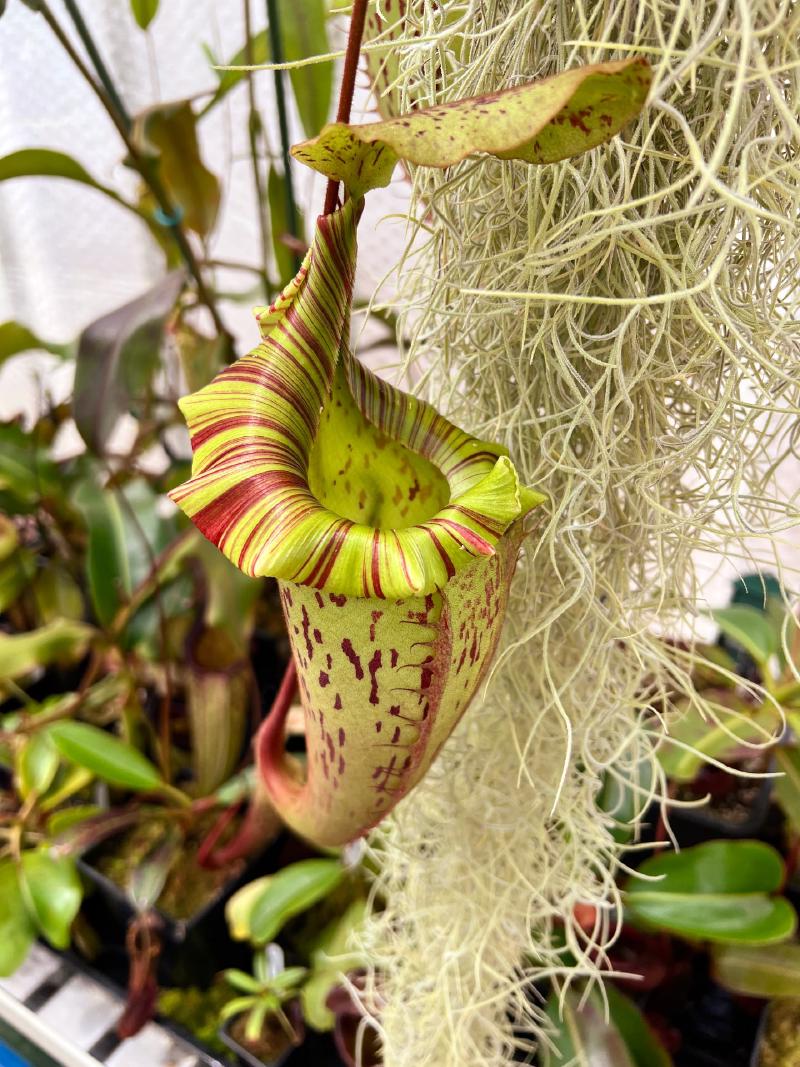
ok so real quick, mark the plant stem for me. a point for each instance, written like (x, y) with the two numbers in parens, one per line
(276, 48)
(144, 168)
(254, 128)
(348, 85)
(97, 60)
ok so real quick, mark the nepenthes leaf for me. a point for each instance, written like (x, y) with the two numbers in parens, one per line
(539, 122)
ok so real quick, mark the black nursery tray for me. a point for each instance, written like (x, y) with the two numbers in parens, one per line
(196, 948)
(317, 1050)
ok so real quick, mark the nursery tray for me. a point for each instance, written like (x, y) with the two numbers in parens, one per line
(191, 955)
(68, 1018)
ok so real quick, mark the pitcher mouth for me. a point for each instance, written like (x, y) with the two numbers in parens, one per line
(309, 468)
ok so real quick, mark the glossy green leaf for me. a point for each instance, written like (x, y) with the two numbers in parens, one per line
(16, 572)
(27, 474)
(68, 783)
(718, 891)
(280, 226)
(282, 896)
(56, 593)
(107, 568)
(105, 756)
(144, 11)
(53, 892)
(751, 629)
(737, 723)
(117, 356)
(787, 788)
(242, 981)
(580, 1035)
(62, 640)
(48, 163)
(539, 122)
(303, 30)
(772, 971)
(258, 53)
(37, 763)
(644, 1048)
(329, 961)
(16, 338)
(17, 929)
(70, 817)
(168, 133)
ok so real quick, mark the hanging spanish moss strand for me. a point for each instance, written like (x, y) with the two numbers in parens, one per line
(627, 322)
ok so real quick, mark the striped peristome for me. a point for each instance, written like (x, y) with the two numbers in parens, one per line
(393, 534)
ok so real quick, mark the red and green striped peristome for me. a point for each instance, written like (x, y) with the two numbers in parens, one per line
(392, 532)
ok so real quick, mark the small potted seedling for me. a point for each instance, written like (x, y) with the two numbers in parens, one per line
(265, 1023)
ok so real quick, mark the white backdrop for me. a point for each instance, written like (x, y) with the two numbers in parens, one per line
(67, 252)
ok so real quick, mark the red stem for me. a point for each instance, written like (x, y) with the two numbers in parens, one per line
(357, 20)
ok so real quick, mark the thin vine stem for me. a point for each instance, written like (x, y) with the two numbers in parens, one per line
(144, 169)
(254, 128)
(276, 47)
(97, 60)
(347, 88)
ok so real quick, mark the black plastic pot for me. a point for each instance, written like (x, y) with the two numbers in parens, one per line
(317, 1050)
(762, 1029)
(693, 826)
(194, 949)
(246, 1058)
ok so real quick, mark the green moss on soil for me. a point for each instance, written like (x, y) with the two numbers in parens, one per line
(189, 887)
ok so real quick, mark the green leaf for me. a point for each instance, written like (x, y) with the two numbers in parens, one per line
(16, 338)
(117, 356)
(281, 896)
(105, 756)
(736, 724)
(540, 122)
(16, 573)
(144, 11)
(107, 568)
(68, 818)
(54, 892)
(787, 788)
(582, 1037)
(236, 1007)
(303, 30)
(37, 763)
(280, 226)
(17, 929)
(242, 981)
(643, 1046)
(718, 892)
(27, 474)
(62, 640)
(773, 971)
(751, 629)
(329, 963)
(57, 594)
(69, 781)
(47, 163)
(167, 133)
(258, 53)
